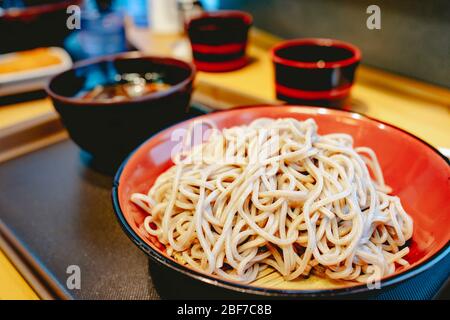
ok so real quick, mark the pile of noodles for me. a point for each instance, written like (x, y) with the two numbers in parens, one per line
(277, 194)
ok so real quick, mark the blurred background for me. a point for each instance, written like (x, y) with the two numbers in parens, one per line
(414, 37)
(413, 40)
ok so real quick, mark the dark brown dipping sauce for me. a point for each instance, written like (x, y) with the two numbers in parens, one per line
(127, 87)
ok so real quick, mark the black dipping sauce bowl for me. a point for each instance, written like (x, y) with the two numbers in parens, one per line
(219, 40)
(316, 72)
(109, 130)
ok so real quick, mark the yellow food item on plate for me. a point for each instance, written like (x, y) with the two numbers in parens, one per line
(29, 60)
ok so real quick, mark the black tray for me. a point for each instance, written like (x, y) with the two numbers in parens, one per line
(61, 210)
(57, 212)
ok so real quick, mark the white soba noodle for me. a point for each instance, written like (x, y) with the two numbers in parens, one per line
(277, 194)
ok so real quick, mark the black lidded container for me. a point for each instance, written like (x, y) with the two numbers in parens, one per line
(39, 23)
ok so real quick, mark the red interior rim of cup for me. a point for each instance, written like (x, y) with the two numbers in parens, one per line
(323, 42)
(246, 17)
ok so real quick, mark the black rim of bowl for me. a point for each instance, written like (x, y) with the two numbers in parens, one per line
(133, 55)
(249, 289)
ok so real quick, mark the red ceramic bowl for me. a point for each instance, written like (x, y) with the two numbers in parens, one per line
(418, 174)
(219, 40)
(315, 71)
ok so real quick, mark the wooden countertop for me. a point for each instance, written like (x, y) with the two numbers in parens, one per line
(12, 285)
(417, 107)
